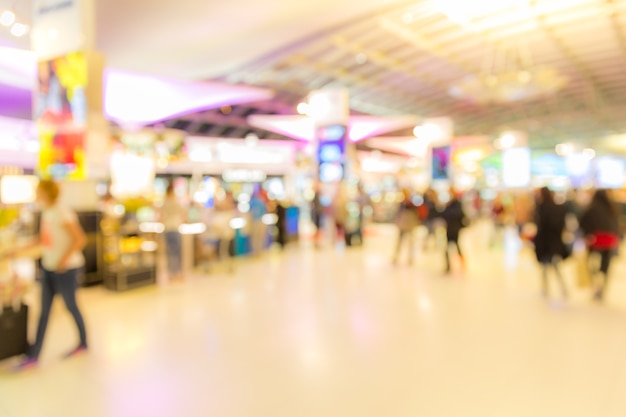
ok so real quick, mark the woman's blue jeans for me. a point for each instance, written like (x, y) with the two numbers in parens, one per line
(65, 284)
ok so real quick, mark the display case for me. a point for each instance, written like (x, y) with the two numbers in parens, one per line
(129, 254)
(90, 222)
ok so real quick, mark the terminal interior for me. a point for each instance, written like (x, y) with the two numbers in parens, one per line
(312, 208)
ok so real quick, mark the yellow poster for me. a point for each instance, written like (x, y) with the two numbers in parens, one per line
(61, 115)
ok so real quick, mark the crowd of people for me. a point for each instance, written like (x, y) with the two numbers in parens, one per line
(552, 224)
(428, 210)
(597, 224)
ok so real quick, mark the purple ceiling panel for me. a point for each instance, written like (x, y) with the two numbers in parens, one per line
(15, 102)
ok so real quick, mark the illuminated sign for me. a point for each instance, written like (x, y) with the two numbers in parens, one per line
(516, 167)
(244, 175)
(331, 172)
(610, 172)
(18, 189)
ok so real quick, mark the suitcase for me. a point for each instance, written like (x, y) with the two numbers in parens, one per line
(13, 332)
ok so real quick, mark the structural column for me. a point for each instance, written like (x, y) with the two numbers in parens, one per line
(68, 101)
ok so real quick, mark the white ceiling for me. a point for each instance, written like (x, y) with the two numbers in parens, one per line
(199, 39)
(395, 56)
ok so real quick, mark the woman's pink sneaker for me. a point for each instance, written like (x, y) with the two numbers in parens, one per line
(76, 352)
(25, 365)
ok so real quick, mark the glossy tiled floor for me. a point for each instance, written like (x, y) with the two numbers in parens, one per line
(333, 333)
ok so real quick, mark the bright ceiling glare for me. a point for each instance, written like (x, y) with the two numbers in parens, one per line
(463, 12)
(18, 30)
(252, 139)
(589, 153)
(507, 141)
(303, 109)
(7, 18)
(408, 18)
(564, 149)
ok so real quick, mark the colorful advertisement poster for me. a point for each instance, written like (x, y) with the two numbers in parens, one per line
(61, 115)
(441, 163)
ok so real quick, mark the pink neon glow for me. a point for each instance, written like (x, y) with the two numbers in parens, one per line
(143, 99)
(363, 127)
(295, 127)
(303, 128)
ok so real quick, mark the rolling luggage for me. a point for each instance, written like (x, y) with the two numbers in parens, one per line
(13, 331)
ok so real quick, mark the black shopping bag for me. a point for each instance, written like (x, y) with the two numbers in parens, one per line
(13, 332)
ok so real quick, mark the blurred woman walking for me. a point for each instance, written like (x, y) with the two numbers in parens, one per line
(600, 225)
(549, 246)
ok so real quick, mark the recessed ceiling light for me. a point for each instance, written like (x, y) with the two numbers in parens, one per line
(507, 141)
(303, 108)
(563, 149)
(18, 30)
(7, 18)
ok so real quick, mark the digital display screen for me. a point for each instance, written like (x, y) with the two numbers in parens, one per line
(331, 153)
(331, 172)
(441, 163)
(332, 133)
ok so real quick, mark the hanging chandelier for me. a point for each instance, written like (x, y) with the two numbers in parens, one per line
(508, 73)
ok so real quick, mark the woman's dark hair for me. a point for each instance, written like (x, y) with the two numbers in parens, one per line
(601, 199)
(546, 196)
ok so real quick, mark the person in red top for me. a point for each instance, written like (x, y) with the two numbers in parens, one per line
(600, 225)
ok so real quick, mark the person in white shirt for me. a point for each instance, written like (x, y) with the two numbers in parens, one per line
(61, 240)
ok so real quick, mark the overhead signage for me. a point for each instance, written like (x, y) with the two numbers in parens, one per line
(58, 28)
(53, 6)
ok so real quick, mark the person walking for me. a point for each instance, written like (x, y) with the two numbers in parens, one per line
(455, 219)
(341, 215)
(258, 232)
(225, 213)
(407, 220)
(549, 246)
(317, 215)
(172, 216)
(431, 215)
(61, 240)
(600, 226)
(499, 215)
